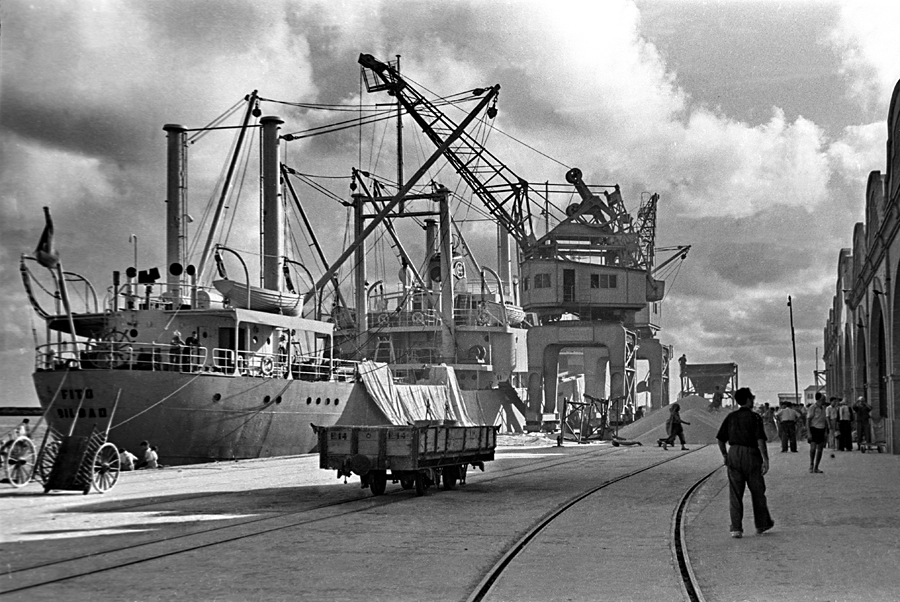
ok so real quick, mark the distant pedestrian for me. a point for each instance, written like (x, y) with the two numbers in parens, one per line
(716, 403)
(863, 412)
(787, 420)
(126, 459)
(816, 428)
(674, 428)
(747, 459)
(831, 413)
(845, 427)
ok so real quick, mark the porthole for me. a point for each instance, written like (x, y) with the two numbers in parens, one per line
(328, 401)
(278, 399)
(217, 397)
(318, 400)
(133, 332)
(267, 399)
(308, 400)
(336, 401)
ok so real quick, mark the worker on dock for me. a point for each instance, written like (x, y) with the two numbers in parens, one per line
(747, 459)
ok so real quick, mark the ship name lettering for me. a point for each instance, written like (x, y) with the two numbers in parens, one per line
(82, 412)
(77, 393)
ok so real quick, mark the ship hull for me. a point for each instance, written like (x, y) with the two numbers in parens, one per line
(196, 418)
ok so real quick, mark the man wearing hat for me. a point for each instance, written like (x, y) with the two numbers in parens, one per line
(747, 459)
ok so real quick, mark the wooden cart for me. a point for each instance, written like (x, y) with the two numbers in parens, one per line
(415, 456)
(79, 462)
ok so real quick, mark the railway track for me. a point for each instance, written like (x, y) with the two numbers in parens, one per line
(688, 581)
(38, 577)
(119, 557)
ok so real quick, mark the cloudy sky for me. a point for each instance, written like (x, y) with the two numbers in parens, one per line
(756, 122)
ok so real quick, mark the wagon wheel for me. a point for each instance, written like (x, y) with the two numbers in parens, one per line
(45, 460)
(450, 476)
(420, 484)
(105, 469)
(18, 461)
(377, 481)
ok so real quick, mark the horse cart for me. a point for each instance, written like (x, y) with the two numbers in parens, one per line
(416, 456)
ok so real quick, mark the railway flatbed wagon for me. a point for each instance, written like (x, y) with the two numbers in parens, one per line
(417, 457)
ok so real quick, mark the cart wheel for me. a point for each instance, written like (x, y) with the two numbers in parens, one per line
(420, 483)
(105, 470)
(46, 459)
(18, 461)
(407, 482)
(450, 476)
(377, 481)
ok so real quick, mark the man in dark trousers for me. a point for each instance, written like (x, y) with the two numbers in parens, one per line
(747, 460)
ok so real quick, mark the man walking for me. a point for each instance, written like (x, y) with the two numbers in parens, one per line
(747, 460)
(816, 427)
(787, 420)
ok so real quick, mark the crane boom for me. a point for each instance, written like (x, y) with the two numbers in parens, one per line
(486, 175)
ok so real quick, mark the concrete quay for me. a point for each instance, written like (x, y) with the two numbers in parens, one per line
(282, 529)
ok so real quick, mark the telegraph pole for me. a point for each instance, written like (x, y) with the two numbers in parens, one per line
(794, 346)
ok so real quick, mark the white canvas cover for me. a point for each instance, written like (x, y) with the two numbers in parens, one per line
(405, 404)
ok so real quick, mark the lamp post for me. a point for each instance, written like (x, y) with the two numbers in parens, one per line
(794, 347)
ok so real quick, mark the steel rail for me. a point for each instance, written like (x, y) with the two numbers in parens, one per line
(690, 587)
(484, 587)
(260, 526)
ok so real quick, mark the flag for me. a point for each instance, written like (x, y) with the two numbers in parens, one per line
(45, 253)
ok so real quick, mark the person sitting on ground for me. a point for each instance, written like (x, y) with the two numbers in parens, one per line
(148, 457)
(126, 459)
(155, 452)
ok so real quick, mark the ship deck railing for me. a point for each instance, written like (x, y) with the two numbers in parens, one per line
(127, 355)
(158, 295)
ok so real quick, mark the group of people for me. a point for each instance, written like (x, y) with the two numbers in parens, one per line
(836, 418)
(742, 440)
(149, 458)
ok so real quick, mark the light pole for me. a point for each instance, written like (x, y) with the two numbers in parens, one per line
(794, 347)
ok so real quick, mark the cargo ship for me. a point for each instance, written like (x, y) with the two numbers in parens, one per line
(211, 367)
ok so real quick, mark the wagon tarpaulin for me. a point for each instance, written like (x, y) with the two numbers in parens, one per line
(404, 404)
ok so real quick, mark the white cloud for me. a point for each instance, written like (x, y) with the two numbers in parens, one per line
(866, 38)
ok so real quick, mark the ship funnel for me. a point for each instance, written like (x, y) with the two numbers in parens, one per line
(273, 212)
(176, 199)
